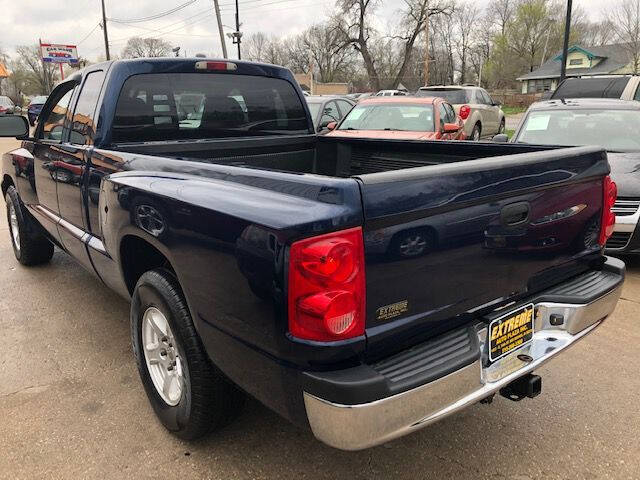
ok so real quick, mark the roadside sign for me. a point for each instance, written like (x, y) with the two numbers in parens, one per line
(55, 53)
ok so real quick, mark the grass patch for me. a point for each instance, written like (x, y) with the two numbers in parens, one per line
(509, 133)
(513, 110)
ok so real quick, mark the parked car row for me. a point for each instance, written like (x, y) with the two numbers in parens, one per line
(471, 109)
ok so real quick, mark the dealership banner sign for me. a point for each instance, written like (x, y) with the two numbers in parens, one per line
(59, 53)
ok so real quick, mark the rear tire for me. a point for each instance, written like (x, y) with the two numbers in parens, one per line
(476, 132)
(199, 398)
(30, 246)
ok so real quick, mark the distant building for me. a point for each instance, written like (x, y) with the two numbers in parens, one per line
(581, 62)
(308, 83)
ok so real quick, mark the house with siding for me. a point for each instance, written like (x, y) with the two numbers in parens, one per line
(581, 62)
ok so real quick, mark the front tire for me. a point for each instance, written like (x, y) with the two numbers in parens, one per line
(502, 127)
(30, 246)
(189, 396)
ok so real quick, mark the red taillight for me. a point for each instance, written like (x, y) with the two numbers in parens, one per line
(326, 288)
(608, 220)
(2, 109)
(465, 110)
(216, 66)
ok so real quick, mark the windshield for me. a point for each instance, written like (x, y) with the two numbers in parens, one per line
(453, 96)
(391, 116)
(615, 130)
(314, 108)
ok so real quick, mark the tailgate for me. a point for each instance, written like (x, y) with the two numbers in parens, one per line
(448, 242)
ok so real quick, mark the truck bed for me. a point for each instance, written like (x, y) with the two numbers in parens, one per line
(451, 194)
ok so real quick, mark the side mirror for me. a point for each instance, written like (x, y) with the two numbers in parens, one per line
(501, 138)
(14, 126)
(332, 126)
(451, 128)
(496, 103)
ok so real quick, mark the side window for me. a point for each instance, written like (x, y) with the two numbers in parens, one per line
(451, 113)
(345, 107)
(443, 116)
(53, 120)
(330, 113)
(637, 95)
(83, 125)
(487, 97)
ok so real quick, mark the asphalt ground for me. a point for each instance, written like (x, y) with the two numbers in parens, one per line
(71, 404)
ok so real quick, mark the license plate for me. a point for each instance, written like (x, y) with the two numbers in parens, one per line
(510, 331)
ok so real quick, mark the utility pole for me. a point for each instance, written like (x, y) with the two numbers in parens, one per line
(238, 34)
(565, 47)
(222, 41)
(104, 30)
(426, 50)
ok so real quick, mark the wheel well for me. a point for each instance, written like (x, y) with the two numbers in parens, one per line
(7, 182)
(138, 256)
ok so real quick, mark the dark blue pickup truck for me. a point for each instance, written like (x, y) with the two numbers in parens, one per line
(360, 288)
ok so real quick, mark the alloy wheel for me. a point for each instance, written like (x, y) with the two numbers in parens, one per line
(14, 227)
(161, 356)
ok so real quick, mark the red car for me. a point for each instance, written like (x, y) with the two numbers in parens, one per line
(401, 118)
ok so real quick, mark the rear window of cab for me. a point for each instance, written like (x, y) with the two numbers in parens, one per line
(193, 106)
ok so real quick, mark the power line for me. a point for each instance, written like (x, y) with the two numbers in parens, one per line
(88, 34)
(155, 16)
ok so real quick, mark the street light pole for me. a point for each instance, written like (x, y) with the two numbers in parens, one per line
(104, 30)
(238, 36)
(425, 73)
(565, 47)
(222, 40)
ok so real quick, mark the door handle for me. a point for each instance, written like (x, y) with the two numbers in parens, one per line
(515, 214)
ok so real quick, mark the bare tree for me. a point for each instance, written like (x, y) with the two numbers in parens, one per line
(502, 12)
(255, 46)
(137, 47)
(330, 55)
(626, 18)
(43, 75)
(465, 16)
(441, 48)
(526, 33)
(355, 26)
(598, 33)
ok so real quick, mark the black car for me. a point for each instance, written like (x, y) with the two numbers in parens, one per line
(325, 110)
(612, 124)
(35, 107)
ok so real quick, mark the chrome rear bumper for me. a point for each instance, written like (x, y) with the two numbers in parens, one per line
(355, 427)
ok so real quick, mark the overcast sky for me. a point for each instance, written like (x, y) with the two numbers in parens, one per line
(193, 28)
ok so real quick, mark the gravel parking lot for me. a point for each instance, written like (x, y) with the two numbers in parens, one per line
(71, 404)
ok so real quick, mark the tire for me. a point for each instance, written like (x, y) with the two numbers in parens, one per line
(29, 244)
(502, 127)
(199, 398)
(476, 132)
(412, 243)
